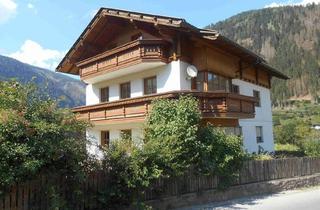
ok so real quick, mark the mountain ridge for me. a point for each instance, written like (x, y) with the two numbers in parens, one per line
(288, 38)
(69, 91)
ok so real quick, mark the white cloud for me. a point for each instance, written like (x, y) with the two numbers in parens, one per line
(30, 6)
(34, 54)
(292, 3)
(7, 10)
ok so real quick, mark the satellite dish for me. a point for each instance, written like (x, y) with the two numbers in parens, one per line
(192, 71)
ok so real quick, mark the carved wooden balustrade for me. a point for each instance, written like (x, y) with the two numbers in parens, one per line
(211, 104)
(124, 56)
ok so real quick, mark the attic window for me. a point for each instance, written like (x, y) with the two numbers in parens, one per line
(137, 36)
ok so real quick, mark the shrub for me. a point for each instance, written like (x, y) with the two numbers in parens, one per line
(130, 170)
(288, 150)
(36, 136)
(174, 142)
(220, 154)
(174, 125)
(292, 132)
(312, 148)
(286, 147)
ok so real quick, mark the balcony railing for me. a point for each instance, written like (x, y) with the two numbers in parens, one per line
(211, 104)
(126, 55)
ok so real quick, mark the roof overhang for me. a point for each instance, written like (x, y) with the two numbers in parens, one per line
(67, 65)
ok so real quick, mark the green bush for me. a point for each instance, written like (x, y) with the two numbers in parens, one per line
(292, 131)
(37, 137)
(174, 125)
(130, 170)
(174, 142)
(312, 148)
(286, 147)
(220, 154)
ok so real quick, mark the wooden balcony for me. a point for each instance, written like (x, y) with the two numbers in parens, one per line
(130, 54)
(212, 105)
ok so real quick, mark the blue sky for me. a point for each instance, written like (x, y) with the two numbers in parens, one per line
(39, 32)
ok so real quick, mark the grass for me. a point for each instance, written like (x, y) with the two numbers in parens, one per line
(288, 150)
(287, 147)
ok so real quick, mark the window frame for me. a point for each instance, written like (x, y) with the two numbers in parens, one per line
(232, 130)
(205, 82)
(106, 99)
(145, 85)
(104, 138)
(128, 95)
(256, 94)
(235, 88)
(259, 138)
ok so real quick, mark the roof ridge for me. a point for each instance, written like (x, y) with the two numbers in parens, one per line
(143, 13)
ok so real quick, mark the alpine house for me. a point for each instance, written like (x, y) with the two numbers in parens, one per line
(127, 59)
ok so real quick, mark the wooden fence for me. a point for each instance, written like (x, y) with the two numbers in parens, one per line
(34, 194)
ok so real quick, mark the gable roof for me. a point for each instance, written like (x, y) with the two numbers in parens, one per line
(67, 65)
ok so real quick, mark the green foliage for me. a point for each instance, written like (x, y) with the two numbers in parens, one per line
(173, 125)
(286, 147)
(130, 169)
(312, 148)
(37, 137)
(220, 154)
(174, 142)
(273, 32)
(292, 132)
(261, 156)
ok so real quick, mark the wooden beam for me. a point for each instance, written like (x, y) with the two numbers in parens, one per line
(257, 75)
(240, 69)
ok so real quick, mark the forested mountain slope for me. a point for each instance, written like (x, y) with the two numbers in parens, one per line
(71, 92)
(289, 39)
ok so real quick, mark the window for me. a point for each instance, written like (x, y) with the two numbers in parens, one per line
(235, 89)
(125, 90)
(200, 80)
(150, 85)
(207, 81)
(126, 134)
(104, 94)
(237, 131)
(259, 134)
(256, 94)
(105, 138)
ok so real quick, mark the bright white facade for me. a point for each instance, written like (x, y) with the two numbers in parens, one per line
(263, 118)
(171, 77)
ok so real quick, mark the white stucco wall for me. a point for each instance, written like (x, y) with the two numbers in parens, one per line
(94, 135)
(92, 94)
(173, 77)
(263, 117)
(170, 77)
